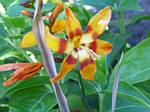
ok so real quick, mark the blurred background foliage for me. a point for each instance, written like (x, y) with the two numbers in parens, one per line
(130, 24)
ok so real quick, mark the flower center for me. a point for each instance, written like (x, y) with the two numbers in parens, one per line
(93, 55)
(76, 44)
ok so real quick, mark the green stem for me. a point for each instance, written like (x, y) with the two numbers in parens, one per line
(83, 93)
(101, 100)
(120, 16)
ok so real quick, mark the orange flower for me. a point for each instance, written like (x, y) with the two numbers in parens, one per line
(22, 71)
(82, 47)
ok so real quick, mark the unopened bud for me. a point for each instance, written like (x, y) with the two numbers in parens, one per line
(27, 13)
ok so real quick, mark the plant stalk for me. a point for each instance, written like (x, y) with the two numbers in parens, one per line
(48, 60)
(101, 100)
(120, 16)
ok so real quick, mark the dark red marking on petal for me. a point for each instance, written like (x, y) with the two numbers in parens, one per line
(95, 35)
(93, 46)
(85, 63)
(78, 32)
(67, 12)
(71, 60)
(88, 29)
(62, 46)
(71, 35)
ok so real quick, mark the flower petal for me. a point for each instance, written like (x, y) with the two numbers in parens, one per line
(100, 47)
(57, 44)
(11, 66)
(59, 26)
(28, 40)
(73, 27)
(99, 22)
(23, 73)
(87, 65)
(68, 64)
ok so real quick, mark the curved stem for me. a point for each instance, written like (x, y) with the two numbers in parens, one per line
(48, 61)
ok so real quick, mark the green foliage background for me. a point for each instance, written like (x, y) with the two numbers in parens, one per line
(36, 94)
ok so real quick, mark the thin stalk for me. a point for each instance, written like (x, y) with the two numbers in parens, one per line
(121, 21)
(48, 60)
(101, 100)
(83, 93)
(116, 84)
(120, 17)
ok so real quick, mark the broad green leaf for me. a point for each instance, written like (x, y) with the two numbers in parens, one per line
(75, 103)
(14, 9)
(135, 66)
(14, 22)
(98, 3)
(129, 97)
(32, 82)
(6, 3)
(144, 85)
(129, 5)
(32, 99)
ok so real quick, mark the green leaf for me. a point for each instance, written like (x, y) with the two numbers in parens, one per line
(75, 103)
(6, 3)
(32, 99)
(82, 15)
(14, 9)
(129, 5)
(14, 22)
(10, 54)
(138, 18)
(144, 85)
(98, 3)
(32, 82)
(135, 66)
(129, 97)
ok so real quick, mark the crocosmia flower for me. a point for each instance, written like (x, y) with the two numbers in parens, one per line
(82, 47)
(22, 71)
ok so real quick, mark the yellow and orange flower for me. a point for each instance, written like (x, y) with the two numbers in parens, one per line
(82, 47)
(22, 71)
